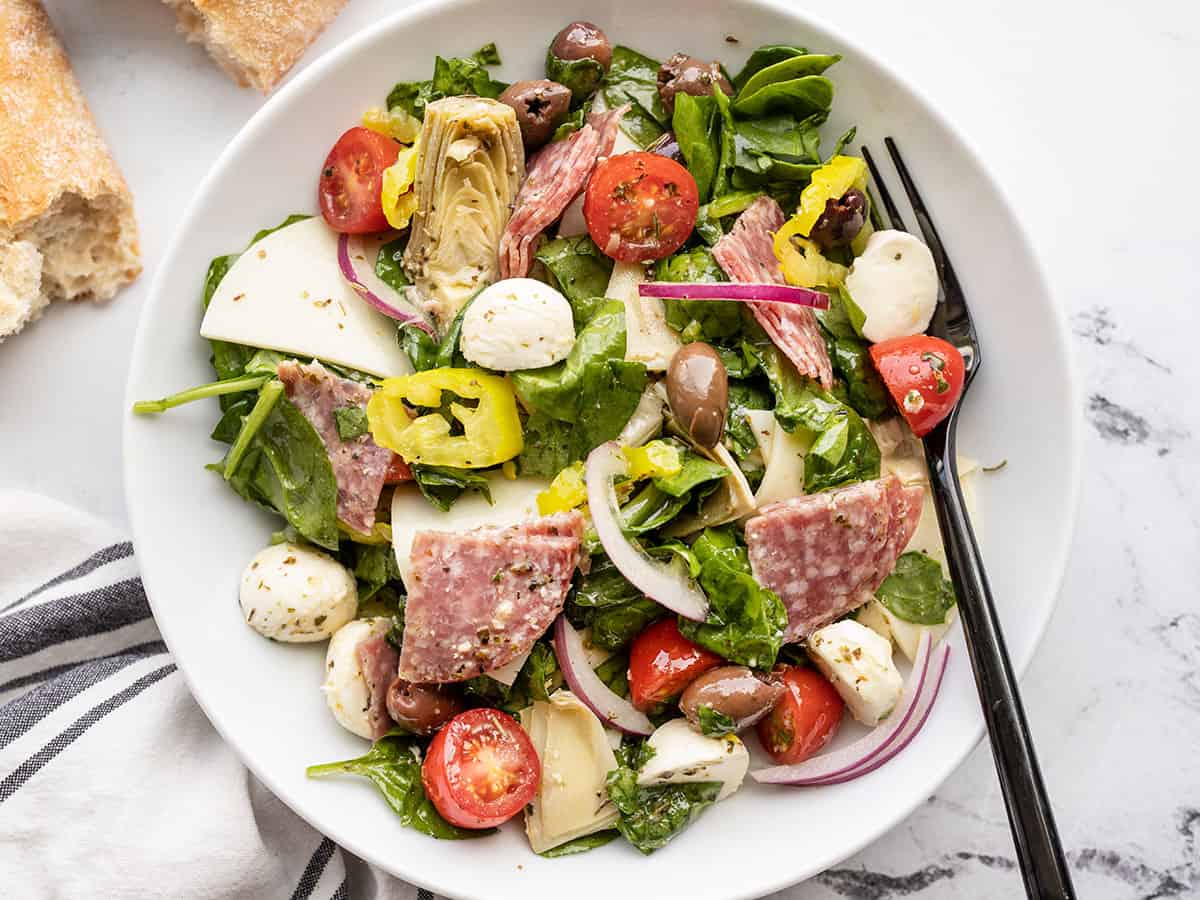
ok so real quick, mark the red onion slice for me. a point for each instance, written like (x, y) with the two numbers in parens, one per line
(723, 290)
(849, 759)
(663, 582)
(611, 709)
(366, 283)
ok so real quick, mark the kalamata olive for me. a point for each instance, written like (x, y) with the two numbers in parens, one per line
(842, 220)
(422, 708)
(583, 40)
(732, 691)
(540, 105)
(698, 391)
(683, 74)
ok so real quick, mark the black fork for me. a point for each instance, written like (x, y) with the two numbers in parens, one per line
(1043, 865)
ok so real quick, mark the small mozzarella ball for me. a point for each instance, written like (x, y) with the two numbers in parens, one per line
(858, 663)
(518, 323)
(345, 688)
(895, 283)
(297, 595)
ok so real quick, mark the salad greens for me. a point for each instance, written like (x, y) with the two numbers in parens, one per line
(633, 78)
(713, 722)
(580, 271)
(916, 591)
(651, 816)
(614, 609)
(451, 77)
(442, 485)
(698, 320)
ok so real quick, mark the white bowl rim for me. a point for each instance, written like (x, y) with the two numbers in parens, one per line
(348, 47)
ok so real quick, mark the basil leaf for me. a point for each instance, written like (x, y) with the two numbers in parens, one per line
(351, 422)
(581, 844)
(916, 591)
(443, 485)
(652, 816)
(633, 78)
(613, 608)
(713, 722)
(451, 78)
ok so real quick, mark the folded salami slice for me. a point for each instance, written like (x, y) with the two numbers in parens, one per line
(825, 554)
(378, 661)
(747, 254)
(359, 465)
(554, 176)
(478, 600)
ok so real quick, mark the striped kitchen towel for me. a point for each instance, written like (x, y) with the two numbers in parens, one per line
(112, 782)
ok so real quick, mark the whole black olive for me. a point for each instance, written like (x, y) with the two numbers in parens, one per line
(698, 391)
(842, 220)
(422, 708)
(683, 74)
(540, 105)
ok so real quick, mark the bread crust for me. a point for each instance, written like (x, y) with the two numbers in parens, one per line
(255, 41)
(59, 187)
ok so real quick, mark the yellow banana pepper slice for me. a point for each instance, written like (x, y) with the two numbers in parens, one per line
(566, 492)
(397, 195)
(652, 460)
(395, 123)
(829, 182)
(801, 260)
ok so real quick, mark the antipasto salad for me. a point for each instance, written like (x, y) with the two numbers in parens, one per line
(590, 408)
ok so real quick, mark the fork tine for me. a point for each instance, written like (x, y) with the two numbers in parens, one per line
(949, 279)
(881, 186)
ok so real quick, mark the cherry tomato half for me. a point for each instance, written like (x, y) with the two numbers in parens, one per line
(662, 662)
(397, 471)
(804, 720)
(640, 206)
(924, 376)
(481, 769)
(352, 178)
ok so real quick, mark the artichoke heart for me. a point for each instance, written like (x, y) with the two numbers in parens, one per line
(472, 163)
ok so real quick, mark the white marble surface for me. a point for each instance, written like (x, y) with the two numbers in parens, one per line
(1088, 114)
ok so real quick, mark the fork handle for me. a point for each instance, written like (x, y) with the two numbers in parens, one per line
(1043, 865)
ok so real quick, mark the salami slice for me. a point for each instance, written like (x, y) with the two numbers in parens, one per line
(378, 661)
(747, 254)
(825, 554)
(359, 465)
(555, 175)
(479, 599)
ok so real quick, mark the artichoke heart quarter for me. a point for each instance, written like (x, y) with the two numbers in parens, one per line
(472, 163)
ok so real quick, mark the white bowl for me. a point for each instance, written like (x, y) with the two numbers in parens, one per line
(193, 535)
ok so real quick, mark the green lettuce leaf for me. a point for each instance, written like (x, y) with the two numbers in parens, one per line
(916, 591)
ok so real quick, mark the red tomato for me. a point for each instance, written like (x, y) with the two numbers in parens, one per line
(352, 178)
(640, 206)
(662, 662)
(397, 471)
(481, 769)
(924, 376)
(804, 720)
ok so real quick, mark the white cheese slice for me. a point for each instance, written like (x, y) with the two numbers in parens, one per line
(682, 755)
(576, 756)
(515, 501)
(648, 338)
(287, 293)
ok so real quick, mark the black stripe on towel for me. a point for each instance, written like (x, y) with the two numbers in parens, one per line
(22, 714)
(314, 870)
(101, 557)
(34, 764)
(93, 612)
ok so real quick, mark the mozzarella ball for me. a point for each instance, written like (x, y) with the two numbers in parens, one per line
(518, 323)
(345, 688)
(858, 663)
(895, 283)
(297, 595)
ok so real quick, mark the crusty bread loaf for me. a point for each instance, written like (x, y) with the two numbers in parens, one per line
(255, 41)
(66, 216)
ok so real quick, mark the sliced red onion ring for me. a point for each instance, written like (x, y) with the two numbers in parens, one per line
(723, 290)
(370, 287)
(880, 744)
(663, 582)
(595, 694)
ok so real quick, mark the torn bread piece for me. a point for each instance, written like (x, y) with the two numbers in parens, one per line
(67, 229)
(256, 42)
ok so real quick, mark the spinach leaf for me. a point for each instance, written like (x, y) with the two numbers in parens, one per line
(916, 591)
(765, 56)
(443, 485)
(230, 423)
(633, 78)
(697, 126)
(394, 765)
(650, 509)
(634, 753)
(698, 320)
(613, 608)
(263, 406)
(581, 272)
(865, 390)
(290, 220)
(425, 353)
(374, 567)
(728, 146)
(695, 471)
(537, 678)
(745, 621)
(549, 446)
(614, 672)
(540, 672)
(451, 78)
(351, 422)
(235, 385)
(581, 844)
(743, 396)
(713, 722)
(709, 216)
(572, 122)
(651, 816)
(388, 264)
(844, 452)
(800, 96)
(785, 70)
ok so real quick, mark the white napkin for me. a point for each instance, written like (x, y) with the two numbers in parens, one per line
(112, 782)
